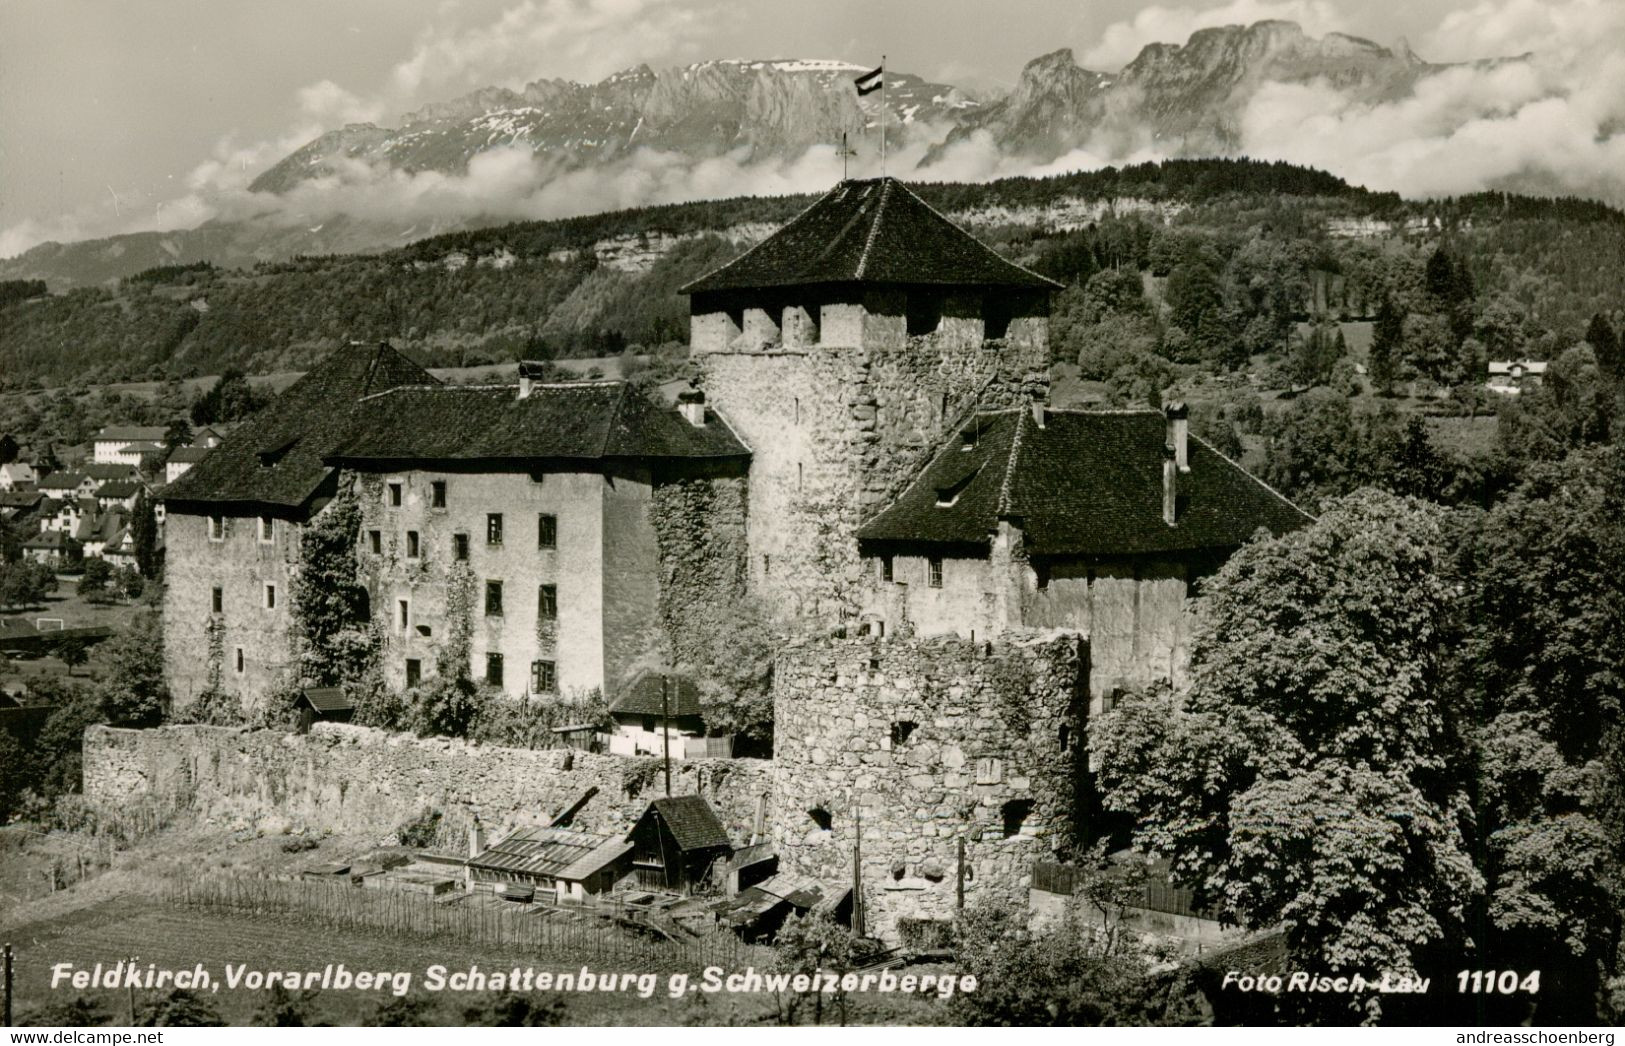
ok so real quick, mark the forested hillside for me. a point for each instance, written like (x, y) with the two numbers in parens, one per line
(1246, 248)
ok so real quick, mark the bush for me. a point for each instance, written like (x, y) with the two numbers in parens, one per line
(420, 832)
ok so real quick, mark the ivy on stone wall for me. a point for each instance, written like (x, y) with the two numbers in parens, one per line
(215, 634)
(329, 606)
(453, 659)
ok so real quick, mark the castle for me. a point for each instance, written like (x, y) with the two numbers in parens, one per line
(868, 453)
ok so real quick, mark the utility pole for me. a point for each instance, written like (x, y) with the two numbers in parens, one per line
(133, 958)
(959, 892)
(857, 868)
(665, 725)
(7, 1022)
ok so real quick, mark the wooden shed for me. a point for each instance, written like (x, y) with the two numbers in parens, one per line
(573, 864)
(327, 704)
(676, 842)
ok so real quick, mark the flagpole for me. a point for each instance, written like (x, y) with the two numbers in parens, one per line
(883, 116)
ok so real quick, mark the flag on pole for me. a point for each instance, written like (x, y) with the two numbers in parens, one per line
(870, 82)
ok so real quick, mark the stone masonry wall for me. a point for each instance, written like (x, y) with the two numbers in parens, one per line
(201, 647)
(933, 741)
(357, 780)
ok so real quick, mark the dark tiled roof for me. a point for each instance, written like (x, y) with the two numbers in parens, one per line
(193, 454)
(298, 425)
(328, 699)
(122, 488)
(62, 481)
(20, 498)
(1087, 483)
(642, 695)
(692, 822)
(873, 231)
(579, 420)
(109, 471)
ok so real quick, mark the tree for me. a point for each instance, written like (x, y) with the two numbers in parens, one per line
(812, 942)
(1605, 345)
(78, 1012)
(415, 1010)
(144, 535)
(179, 1009)
(178, 434)
(512, 1010)
(72, 651)
(1315, 700)
(281, 1008)
(95, 582)
(133, 692)
(330, 607)
(230, 398)
(16, 775)
(25, 583)
(1387, 341)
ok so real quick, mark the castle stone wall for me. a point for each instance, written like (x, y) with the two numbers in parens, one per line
(354, 779)
(932, 742)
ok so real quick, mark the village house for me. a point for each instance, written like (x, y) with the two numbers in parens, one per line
(1512, 377)
(659, 713)
(118, 494)
(183, 458)
(17, 475)
(97, 529)
(54, 548)
(68, 484)
(124, 444)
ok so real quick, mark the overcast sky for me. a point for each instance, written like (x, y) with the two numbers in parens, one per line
(126, 104)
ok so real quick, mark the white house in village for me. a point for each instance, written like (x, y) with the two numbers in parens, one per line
(116, 444)
(1511, 377)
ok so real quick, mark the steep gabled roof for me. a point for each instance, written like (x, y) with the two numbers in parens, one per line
(570, 421)
(874, 231)
(642, 697)
(1087, 483)
(275, 458)
(692, 822)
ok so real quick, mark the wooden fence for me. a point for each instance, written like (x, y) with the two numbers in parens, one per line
(472, 919)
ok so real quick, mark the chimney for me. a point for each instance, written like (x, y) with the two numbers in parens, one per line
(1038, 409)
(1178, 416)
(476, 838)
(529, 372)
(691, 404)
(1170, 486)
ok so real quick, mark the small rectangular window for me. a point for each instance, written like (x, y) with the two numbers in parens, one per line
(239, 660)
(437, 491)
(375, 541)
(406, 613)
(411, 544)
(547, 531)
(885, 568)
(267, 528)
(217, 600)
(935, 567)
(493, 599)
(547, 602)
(767, 564)
(270, 597)
(395, 495)
(414, 671)
(543, 677)
(493, 669)
(493, 528)
(217, 528)
(459, 546)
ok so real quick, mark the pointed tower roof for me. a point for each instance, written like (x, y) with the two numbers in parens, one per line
(275, 457)
(874, 231)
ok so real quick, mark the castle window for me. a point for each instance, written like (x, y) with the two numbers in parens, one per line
(1041, 575)
(543, 677)
(414, 671)
(798, 475)
(547, 531)
(767, 564)
(547, 602)
(217, 528)
(934, 571)
(459, 546)
(1014, 814)
(406, 613)
(270, 597)
(886, 568)
(394, 495)
(1065, 737)
(924, 313)
(797, 410)
(411, 544)
(822, 818)
(989, 770)
(240, 661)
(493, 528)
(493, 669)
(267, 529)
(493, 599)
(217, 600)
(997, 311)
(375, 541)
(901, 730)
(438, 493)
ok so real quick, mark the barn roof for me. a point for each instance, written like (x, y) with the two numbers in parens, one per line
(692, 822)
(641, 696)
(275, 457)
(557, 853)
(1086, 483)
(328, 699)
(873, 231)
(575, 420)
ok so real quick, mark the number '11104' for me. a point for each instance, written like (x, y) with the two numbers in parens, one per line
(1497, 982)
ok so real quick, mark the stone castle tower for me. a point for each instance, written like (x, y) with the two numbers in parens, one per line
(841, 349)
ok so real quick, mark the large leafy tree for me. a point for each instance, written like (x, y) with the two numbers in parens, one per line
(1313, 778)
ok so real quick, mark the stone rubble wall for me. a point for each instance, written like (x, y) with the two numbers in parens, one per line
(352, 779)
(992, 724)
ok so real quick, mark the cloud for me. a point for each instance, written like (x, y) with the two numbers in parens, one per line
(1121, 41)
(575, 39)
